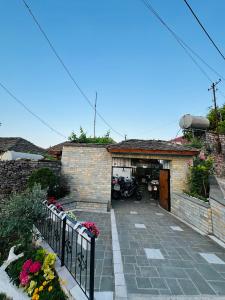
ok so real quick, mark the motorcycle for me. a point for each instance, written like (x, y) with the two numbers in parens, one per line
(125, 188)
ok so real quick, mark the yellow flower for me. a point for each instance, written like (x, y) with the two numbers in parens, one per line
(50, 288)
(44, 283)
(49, 260)
(48, 273)
(35, 297)
(35, 291)
(41, 288)
(31, 287)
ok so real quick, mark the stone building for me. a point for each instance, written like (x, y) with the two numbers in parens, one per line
(88, 168)
(19, 144)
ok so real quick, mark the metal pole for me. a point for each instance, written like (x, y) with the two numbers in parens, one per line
(63, 241)
(213, 88)
(96, 97)
(92, 269)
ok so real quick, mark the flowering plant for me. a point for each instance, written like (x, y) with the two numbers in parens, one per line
(37, 276)
(52, 200)
(91, 226)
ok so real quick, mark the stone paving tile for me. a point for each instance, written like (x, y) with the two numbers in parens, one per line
(149, 272)
(171, 272)
(200, 283)
(159, 283)
(104, 279)
(208, 272)
(107, 283)
(218, 286)
(183, 271)
(174, 287)
(188, 287)
(143, 283)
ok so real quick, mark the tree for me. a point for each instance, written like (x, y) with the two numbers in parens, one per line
(221, 118)
(83, 138)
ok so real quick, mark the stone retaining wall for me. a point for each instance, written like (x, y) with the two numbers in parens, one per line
(15, 173)
(193, 211)
(219, 159)
(87, 170)
(217, 203)
(218, 219)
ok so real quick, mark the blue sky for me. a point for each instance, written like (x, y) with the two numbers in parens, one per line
(145, 81)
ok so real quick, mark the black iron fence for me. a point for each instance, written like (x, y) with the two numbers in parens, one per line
(73, 244)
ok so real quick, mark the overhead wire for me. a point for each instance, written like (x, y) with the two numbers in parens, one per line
(30, 111)
(183, 44)
(203, 28)
(66, 68)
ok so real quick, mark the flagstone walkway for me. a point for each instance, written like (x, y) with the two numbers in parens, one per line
(163, 256)
(104, 278)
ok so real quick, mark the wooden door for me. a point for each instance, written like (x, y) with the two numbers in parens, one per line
(164, 189)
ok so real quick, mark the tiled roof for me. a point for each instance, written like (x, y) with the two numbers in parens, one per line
(20, 145)
(153, 145)
(58, 147)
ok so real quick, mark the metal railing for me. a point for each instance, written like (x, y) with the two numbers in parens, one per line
(73, 244)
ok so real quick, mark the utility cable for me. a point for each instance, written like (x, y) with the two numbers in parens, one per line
(66, 69)
(203, 28)
(179, 41)
(30, 111)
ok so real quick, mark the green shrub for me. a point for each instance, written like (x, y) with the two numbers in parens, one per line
(198, 180)
(17, 217)
(49, 181)
(83, 138)
(46, 178)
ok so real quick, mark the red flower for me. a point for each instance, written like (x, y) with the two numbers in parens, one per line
(51, 200)
(35, 267)
(91, 226)
(59, 206)
(24, 278)
(26, 266)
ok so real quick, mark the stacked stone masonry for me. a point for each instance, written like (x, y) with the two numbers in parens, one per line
(192, 211)
(14, 174)
(219, 159)
(87, 171)
(218, 219)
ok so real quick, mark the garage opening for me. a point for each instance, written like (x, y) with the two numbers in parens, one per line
(142, 180)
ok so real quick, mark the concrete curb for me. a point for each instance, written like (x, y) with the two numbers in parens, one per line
(120, 284)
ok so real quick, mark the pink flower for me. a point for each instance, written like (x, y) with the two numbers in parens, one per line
(26, 265)
(35, 267)
(24, 278)
(202, 156)
(59, 206)
(91, 226)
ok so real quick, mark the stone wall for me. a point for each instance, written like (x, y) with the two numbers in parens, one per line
(15, 173)
(217, 203)
(219, 159)
(87, 170)
(192, 211)
(218, 219)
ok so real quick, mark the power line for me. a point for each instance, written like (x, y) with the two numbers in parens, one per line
(203, 28)
(184, 45)
(66, 69)
(179, 41)
(30, 111)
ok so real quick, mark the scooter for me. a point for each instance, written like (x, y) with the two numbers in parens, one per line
(125, 188)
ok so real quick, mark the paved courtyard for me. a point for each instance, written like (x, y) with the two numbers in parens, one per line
(163, 256)
(104, 278)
